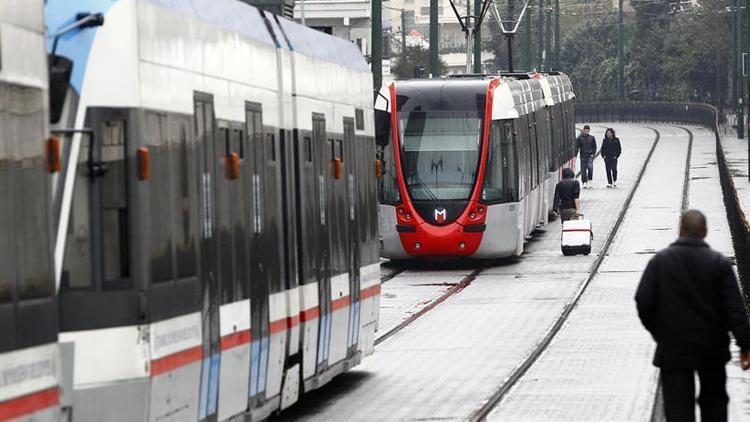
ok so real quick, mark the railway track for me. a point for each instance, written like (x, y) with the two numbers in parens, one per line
(481, 413)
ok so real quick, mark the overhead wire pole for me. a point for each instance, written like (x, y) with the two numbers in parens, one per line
(376, 56)
(527, 43)
(540, 37)
(740, 77)
(548, 41)
(477, 39)
(734, 57)
(620, 54)
(434, 40)
(511, 10)
(557, 35)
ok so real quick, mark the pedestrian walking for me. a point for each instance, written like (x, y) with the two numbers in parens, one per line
(610, 152)
(567, 191)
(586, 146)
(689, 299)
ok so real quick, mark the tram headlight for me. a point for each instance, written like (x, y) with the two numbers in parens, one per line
(461, 245)
(473, 216)
(417, 245)
(408, 216)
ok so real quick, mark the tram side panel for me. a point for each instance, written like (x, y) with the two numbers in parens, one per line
(29, 355)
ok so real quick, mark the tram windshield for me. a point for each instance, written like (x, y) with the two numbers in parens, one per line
(439, 153)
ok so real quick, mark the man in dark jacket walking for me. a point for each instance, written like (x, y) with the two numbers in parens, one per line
(567, 192)
(688, 299)
(610, 151)
(586, 146)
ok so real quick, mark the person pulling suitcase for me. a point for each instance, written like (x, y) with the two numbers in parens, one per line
(567, 191)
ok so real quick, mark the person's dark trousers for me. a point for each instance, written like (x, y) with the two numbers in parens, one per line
(610, 165)
(567, 214)
(587, 169)
(678, 387)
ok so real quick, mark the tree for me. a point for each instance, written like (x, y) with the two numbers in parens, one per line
(415, 56)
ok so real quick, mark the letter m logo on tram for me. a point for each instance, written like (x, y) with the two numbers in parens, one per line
(440, 215)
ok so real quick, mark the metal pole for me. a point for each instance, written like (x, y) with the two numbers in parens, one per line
(477, 38)
(434, 40)
(540, 36)
(469, 33)
(510, 52)
(620, 55)
(302, 11)
(747, 82)
(548, 41)
(557, 34)
(734, 56)
(527, 42)
(740, 78)
(376, 56)
(403, 35)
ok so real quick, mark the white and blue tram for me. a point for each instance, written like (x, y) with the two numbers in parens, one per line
(213, 222)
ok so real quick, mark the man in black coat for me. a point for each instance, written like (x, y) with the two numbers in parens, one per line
(611, 150)
(688, 299)
(586, 146)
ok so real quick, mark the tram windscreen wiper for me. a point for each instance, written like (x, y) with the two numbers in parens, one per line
(422, 185)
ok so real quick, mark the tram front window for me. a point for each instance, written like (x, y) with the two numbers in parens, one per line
(439, 153)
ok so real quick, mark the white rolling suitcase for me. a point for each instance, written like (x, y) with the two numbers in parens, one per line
(576, 237)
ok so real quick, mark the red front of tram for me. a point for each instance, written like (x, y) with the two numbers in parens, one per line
(435, 162)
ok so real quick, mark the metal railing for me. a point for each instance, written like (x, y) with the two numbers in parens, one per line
(688, 113)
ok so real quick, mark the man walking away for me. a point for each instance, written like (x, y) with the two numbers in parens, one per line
(610, 151)
(688, 299)
(586, 146)
(566, 196)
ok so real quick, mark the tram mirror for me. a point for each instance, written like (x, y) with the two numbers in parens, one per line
(60, 69)
(382, 127)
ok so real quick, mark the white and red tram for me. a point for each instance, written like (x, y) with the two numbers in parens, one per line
(468, 165)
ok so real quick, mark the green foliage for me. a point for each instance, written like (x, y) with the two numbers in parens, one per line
(415, 56)
(666, 56)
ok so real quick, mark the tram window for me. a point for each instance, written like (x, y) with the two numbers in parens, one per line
(224, 134)
(271, 140)
(77, 264)
(501, 180)
(159, 199)
(359, 118)
(238, 137)
(114, 207)
(6, 201)
(6, 286)
(182, 176)
(308, 149)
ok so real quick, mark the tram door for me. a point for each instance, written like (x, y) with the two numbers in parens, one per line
(208, 173)
(323, 147)
(262, 250)
(352, 153)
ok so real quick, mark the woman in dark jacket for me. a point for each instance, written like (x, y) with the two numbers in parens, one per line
(610, 152)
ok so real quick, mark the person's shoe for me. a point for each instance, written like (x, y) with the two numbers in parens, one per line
(609, 185)
(614, 185)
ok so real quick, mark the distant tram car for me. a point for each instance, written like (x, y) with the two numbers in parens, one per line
(468, 166)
